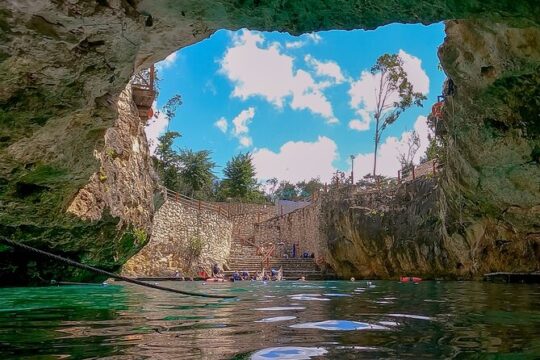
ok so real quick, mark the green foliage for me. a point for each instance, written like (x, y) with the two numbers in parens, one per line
(309, 188)
(172, 104)
(185, 171)
(393, 82)
(197, 170)
(433, 151)
(167, 161)
(239, 182)
(110, 152)
(195, 247)
(287, 191)
(140, 236)
(45, 174)
(294, 192)
(102, 176)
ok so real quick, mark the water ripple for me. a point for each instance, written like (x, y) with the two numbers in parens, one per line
(289, 352)
(341, 325)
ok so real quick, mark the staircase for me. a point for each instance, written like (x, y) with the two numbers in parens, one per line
(245, 258)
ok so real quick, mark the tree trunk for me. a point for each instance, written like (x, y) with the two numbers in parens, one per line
(376, 147)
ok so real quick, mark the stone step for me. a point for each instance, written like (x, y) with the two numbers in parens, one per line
(293, 275)
(307, 264)
(285, 266)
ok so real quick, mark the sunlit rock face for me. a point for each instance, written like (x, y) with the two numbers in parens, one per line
(484, 213)
(63, 65)
(492, 135)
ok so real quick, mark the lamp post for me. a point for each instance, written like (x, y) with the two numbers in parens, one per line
(352, 169)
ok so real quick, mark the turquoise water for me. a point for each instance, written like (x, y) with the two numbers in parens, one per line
(287, 320)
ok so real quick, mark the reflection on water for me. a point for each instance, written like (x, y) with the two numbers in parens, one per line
(289, 352)
(277, 318)
(338, 325)
(286, 320)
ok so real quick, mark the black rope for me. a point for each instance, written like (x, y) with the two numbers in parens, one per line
(103, 272)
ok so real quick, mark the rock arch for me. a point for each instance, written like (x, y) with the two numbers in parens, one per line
(64, 64)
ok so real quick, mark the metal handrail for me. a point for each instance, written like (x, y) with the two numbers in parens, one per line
(195, 204)
(145, 79)
(266, 257)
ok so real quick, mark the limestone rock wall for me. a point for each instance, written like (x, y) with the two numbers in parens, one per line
(491, 134)
(388, 233)
(183, 239)
(125, 182)
(300, 227)
(485, 214)
(63, 65)
(110, 217)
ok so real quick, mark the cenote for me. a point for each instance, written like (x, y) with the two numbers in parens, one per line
(193, 144)
(277, 320)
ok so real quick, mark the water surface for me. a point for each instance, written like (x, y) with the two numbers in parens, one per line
(287, 320)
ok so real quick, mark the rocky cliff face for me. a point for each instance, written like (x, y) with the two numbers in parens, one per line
(105, 222)
(383, 234)
(63, 65)
(491, 132)
(483, 214)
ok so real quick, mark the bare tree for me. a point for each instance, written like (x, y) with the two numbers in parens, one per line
(406, 159)
(393, 95)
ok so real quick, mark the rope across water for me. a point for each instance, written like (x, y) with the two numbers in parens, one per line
(103, 272)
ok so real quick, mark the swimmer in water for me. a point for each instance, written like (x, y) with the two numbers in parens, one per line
(353, 279)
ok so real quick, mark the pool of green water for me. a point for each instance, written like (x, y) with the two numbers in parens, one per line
(286, 320)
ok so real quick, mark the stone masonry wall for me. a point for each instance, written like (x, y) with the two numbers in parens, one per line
(245, 216)
(300, 227)
(179, 234)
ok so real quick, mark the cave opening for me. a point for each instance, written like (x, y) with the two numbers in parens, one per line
(302, 106)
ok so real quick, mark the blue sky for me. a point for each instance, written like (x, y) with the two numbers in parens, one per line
(302, 104)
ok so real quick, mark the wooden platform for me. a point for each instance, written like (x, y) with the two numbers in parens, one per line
(143, 98)
(509, 277)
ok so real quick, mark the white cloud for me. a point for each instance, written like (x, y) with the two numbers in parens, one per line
(311, 37)
(240, 128)
(167, 62)
(362, 91)
(297, 161)
(155, 127)
(256, 70)
(416, 75)
(306, 95)
(361, 124)
(222, 124)
(242, 120)
(316, 38)
(388, 153)
(326, 68)
(294, 44)
(245, 141)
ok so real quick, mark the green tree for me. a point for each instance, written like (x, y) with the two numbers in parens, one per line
(172, 104)
(167, 161)
(197, 172)
(239, 181)
(308, 188)
(272, 185)
(287, 191)
(393, 95)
